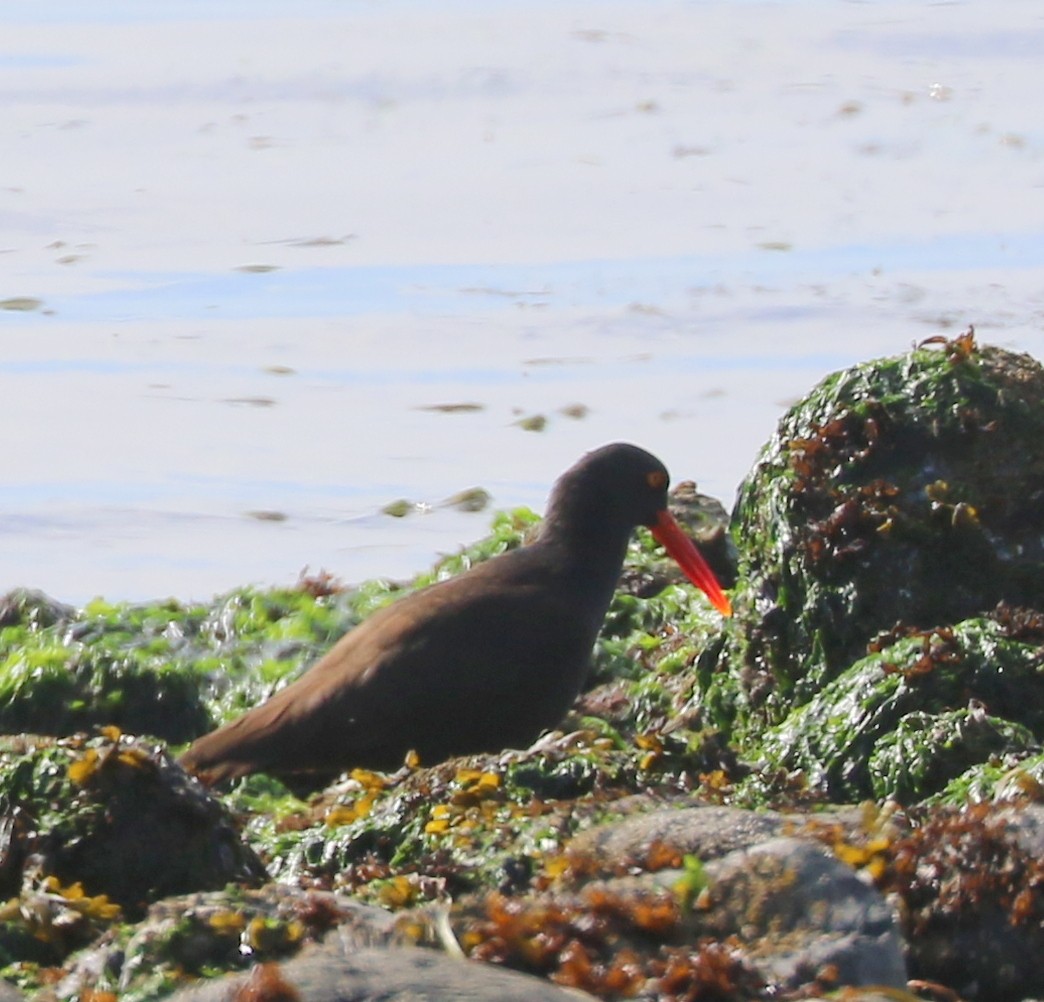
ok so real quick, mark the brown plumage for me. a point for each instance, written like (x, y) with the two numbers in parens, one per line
(481, 662)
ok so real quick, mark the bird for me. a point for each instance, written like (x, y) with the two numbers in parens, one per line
(480, 662)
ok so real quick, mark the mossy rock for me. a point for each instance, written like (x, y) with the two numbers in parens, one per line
(905, 721)
(484, 821)
(115, 815)
(903, 490)
(1002, 778)
(165, 669)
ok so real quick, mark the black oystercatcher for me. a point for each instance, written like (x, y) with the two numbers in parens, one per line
(481, 662)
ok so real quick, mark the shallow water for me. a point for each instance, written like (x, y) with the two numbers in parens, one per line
(253, 251)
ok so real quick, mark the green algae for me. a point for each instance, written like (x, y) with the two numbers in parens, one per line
(59, 689)
(480, 822)
(898, 724)
(905, 489)
(164, 669)
(1011, 777)
(928, 750)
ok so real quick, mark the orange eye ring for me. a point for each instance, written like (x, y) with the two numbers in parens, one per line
(656, 479)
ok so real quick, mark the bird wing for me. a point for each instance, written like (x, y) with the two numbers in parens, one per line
(413, 667)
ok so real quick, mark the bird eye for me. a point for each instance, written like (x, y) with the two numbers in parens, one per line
(657, 480)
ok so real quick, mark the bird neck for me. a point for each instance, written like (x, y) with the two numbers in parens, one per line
(585, 544)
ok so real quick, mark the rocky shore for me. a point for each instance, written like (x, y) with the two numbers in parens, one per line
(836, 793)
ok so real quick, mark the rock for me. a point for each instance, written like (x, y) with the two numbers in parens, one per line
(332, 974)
(1026, 824)
(905, 489)
(799, 909)
(891, 582)
(706, 831)
(188, 936)
(32, 609)
(908, 719)
(971, 884)
(763, 913)
(118, 816)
